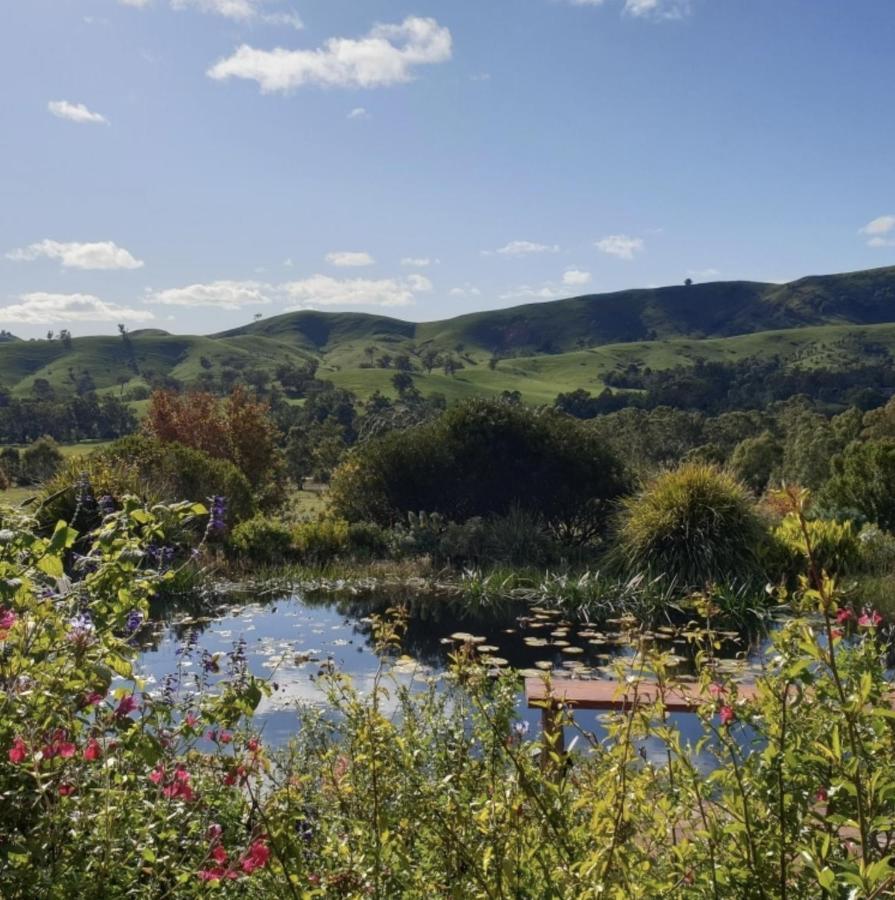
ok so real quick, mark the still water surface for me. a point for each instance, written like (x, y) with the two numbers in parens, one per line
(289, 637)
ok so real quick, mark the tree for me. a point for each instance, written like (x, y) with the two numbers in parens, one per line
(863, 482)
(403, 383)
(755, 459)
(238, 429)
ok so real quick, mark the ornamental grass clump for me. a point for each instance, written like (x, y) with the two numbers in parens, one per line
(694, 525)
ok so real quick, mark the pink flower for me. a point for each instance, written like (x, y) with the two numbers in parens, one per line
(256, 858)
(821, 796)
(837, 633)
(93, 751)
(214, 832)
(94, 698)
(844, 615)
(727, 714)
(219, 855)
(7, 620)
(192, 720)
(870, 619)
(157, 775)
(716, 689)
(19, 751)
(66, 790)
(66, 749)
(254, 745)
(225, 737)
(126, 705)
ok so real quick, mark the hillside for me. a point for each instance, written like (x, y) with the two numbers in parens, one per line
(538, 349)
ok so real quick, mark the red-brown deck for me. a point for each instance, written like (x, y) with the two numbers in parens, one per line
(617, 695)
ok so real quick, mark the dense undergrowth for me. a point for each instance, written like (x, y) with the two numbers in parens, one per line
(113, 787)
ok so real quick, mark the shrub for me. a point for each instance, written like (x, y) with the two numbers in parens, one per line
(367, 541)
(484, 458)
(320, 542)
(695, 524)
(40, 461)
(261, 539)
(148, 468)
(10, 463)
(835, 546)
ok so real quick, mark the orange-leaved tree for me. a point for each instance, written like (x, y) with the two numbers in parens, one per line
(237, 428)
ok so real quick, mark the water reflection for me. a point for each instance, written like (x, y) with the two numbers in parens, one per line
(290, 639)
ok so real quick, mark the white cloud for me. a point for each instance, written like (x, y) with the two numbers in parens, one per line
(416, 262)
(347, 259)
(576, 278)
(220, 294)
(703, 274)
(321, 290)
(387, 55)
(49, 309)
(468, 290)
(620, 245)
(289, 19)
(523, 248)
(98, 255)
(75, 112)
(530, 292)
(358, 113)
(658, 9)
(878, 232)
(239, 10)
(646, 9)
(139, 4)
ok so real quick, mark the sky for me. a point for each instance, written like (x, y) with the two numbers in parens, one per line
(191, 164)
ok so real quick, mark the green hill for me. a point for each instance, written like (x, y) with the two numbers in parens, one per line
(538, 349)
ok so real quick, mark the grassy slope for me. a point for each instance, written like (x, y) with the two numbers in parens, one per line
(547, 347)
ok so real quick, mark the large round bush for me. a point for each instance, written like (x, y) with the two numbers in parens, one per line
(148, 468)
(696, 524)
(484, 458)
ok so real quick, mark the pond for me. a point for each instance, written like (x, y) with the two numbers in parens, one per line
(291, 638)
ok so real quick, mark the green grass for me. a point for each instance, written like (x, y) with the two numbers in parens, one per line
(14, 496)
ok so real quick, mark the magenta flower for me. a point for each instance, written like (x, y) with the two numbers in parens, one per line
(727, 714)
(18, 752)
(7, 620)
(66, 790)
(257, 857)
(93, 751)
(126, 705)
(843, 616)
(870, 619)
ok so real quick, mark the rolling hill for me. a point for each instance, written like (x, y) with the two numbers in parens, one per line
(538, 349)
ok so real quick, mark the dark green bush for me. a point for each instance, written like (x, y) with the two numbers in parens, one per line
(40, 461)
(148, 468)
(863, 479)
(484, 458)
(696, 525)
(261, 539)
(367, 541)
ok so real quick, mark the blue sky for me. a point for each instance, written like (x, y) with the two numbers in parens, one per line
(187, 164)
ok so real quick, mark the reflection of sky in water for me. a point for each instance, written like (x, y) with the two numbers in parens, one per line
(289, 640)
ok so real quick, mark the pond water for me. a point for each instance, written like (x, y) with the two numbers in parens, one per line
(290, 637)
